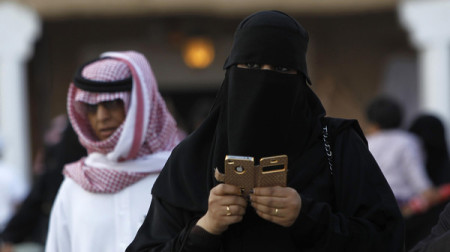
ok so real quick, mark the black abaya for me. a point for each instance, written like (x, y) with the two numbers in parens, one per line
(264, 113)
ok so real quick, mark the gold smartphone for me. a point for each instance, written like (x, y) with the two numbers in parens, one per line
(242, 172)
(272, 171)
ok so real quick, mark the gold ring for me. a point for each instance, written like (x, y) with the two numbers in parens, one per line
(228, 211)
(276, 211)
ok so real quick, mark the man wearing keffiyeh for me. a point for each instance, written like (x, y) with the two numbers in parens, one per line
(121, 119)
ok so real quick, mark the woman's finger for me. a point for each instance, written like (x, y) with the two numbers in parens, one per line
(233, 210)
(269, 210)
(275, 191)
(225, 189)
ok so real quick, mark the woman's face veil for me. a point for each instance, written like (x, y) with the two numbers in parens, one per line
(266, 112)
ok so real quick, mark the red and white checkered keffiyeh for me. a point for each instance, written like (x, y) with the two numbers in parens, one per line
(142, 143)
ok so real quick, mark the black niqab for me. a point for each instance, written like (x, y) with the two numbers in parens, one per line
(270, 37)
(256, 113)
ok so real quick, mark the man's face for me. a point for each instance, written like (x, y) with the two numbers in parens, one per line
(106, 117)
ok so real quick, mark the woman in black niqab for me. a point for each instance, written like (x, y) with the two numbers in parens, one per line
(265, 108)
(430, 131)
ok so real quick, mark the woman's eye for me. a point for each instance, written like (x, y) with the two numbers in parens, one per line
(281, 69)
(253, 65)
(284, 70)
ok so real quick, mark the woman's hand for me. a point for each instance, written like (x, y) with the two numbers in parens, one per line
(280, 205)
(225, 207)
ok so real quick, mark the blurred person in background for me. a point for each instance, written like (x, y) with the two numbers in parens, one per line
(52, 136)
(398, 153)
(336, 198)
(401, 158)
(28, 227)
(430, 130)
(121, 119)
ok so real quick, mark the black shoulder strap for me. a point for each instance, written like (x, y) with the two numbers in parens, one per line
(331, 127)
(327, 145)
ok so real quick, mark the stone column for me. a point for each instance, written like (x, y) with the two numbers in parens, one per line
(19, 29)
(427, 23)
